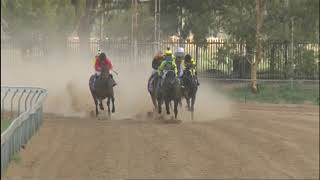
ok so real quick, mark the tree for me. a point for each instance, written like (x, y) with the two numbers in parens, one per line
(278, 22)
(239, 20)
(89, 11)
(119, 22)
(260, 10)
(32, 20)
(183, 17)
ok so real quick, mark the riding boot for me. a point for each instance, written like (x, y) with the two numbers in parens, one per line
(95, 78)
(160, 83)
(181, 82)
(198, 83)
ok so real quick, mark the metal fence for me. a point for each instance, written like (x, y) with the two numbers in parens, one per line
(217, 59)
(22, 108)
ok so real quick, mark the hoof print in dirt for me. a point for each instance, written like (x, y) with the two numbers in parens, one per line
(100, 117)
(92, 113)
(149, 114)
(172, 121)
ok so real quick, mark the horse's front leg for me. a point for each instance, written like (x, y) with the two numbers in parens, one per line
(188, 102)
(176, 102)
(96, 103)
(101, 105)
(108, 104)
(154, 101)
(167, 106)
(113, 107)
(159, 105)
(193, 100)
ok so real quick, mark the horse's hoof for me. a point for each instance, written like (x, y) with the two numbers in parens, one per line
(113, 111)
(168, 113)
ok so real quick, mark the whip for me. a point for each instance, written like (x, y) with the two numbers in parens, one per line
(115, 72)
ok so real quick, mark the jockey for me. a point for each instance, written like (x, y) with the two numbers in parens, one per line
(190, 64)
(102, 59)
(156, 62)
(179, 56)
(167, 64)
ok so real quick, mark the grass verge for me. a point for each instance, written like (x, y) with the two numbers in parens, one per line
(277, 93)
(5, 123)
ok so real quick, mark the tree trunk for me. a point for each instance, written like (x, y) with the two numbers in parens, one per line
(246, 65)
(84, 36)
(260, 7)
(85, 27)
(254, 87)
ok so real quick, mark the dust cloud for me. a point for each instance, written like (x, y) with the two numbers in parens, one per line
(69, 95)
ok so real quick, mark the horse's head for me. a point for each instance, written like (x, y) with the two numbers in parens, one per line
(104, 71)
(188, 79)
(178, 60)
(170, 77)
(187, 75)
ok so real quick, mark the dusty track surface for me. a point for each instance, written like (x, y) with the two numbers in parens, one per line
(258, 141)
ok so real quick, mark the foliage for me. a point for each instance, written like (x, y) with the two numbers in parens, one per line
(306, 64)
(235, 18)
(184, 16)
(32, 21)
(38, 16)
(304, 15)
(114, 29)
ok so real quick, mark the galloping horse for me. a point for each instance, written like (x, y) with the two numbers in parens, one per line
(190, 88)
(170, 90)
(101, 89)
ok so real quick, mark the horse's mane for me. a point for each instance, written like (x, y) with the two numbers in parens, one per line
(104, 69)
(188, 78)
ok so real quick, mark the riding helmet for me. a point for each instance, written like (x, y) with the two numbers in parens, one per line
(102, 56)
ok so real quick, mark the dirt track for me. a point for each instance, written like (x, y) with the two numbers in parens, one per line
(258, 141)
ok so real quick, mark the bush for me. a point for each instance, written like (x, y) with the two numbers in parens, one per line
(306, 64)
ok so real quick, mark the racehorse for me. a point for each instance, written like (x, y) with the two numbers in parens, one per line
(170, 90)
(101, 89)
(190, 88)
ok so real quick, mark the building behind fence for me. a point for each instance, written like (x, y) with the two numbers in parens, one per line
(217, 59)
(22, 107)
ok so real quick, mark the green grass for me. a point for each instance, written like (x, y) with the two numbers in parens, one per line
(16, 158)
(5, 124)
(285, 93)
